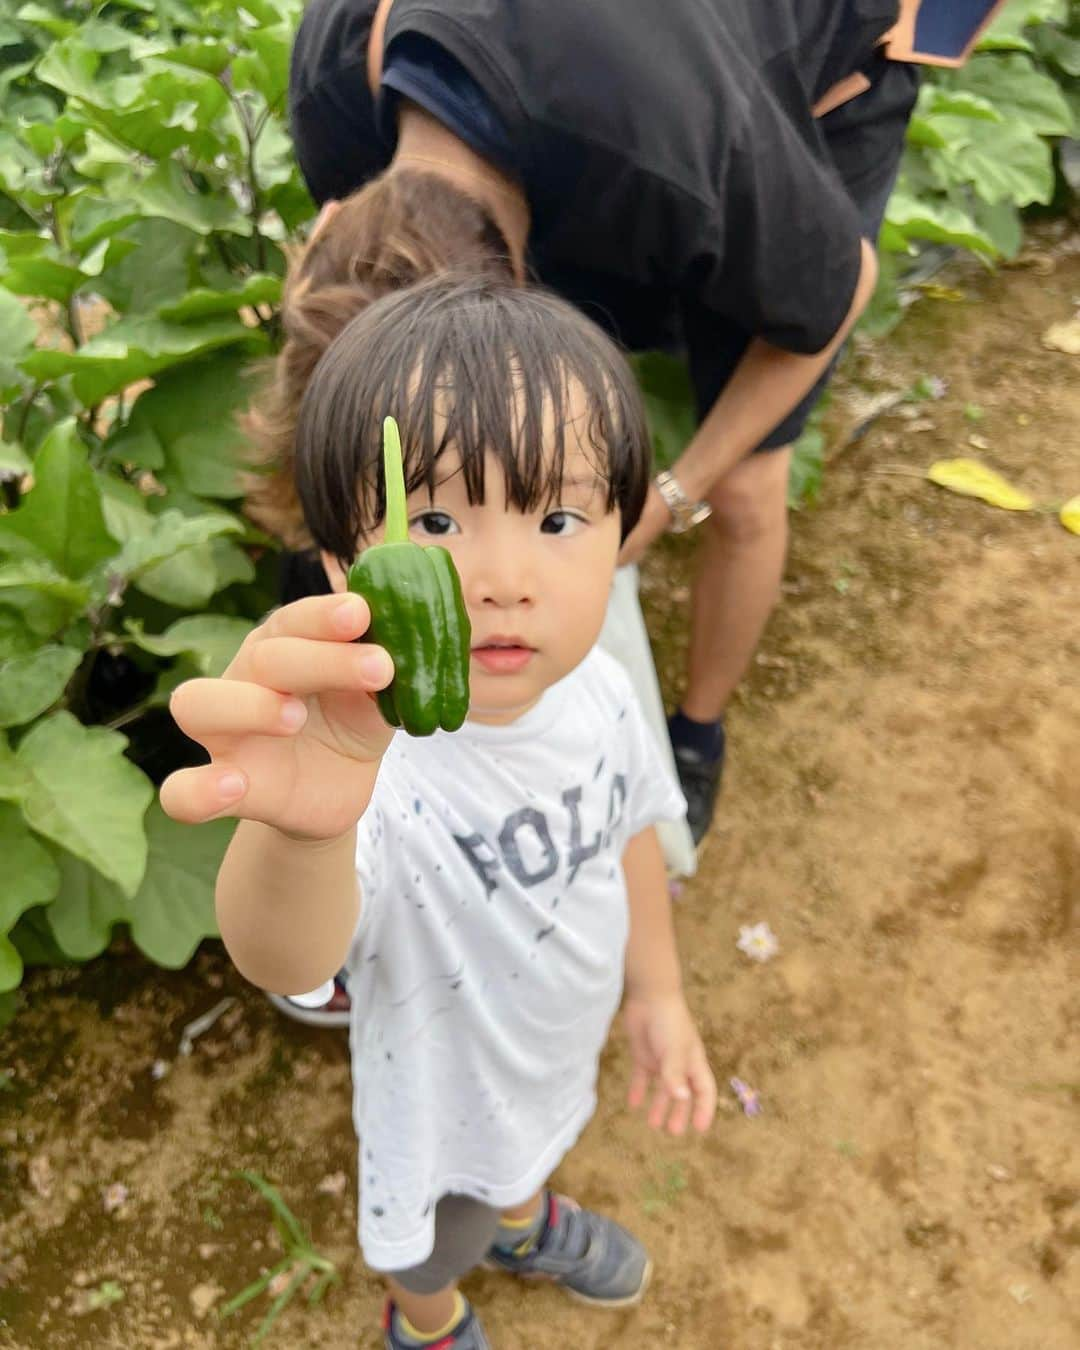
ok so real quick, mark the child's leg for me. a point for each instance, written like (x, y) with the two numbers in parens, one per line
(426, 1296)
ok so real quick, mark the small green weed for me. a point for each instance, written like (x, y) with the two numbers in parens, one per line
(300, 1261)
(663, 1191)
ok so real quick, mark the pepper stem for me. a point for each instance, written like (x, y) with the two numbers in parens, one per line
(397, 520)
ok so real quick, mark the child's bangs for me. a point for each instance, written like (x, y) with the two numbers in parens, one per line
(468, 368)
(528, 410)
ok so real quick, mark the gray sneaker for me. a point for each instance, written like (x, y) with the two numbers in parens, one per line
(467, 1335)
(595, 1259)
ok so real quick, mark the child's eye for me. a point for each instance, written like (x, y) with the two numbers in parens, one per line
(436, 523)
(562, 522)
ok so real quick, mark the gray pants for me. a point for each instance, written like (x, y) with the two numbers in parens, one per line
(464, 1231)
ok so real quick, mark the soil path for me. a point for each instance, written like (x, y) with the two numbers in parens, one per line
(902, 806)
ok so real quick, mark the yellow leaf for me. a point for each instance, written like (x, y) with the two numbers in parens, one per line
(1064, 337)
(1070, 515)
(972, 479)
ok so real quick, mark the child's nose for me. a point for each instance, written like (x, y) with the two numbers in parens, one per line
(504, 575)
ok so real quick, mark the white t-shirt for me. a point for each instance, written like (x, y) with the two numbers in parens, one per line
(488, 959)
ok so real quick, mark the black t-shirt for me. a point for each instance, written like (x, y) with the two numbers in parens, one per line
(667, 148)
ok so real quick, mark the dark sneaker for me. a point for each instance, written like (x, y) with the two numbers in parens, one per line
(327, 1006)
(467, 1335)
(593, 1258)
(699, 778)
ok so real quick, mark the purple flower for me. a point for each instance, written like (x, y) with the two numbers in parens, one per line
(749, 1099)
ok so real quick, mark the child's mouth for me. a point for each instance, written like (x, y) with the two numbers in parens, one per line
(503, 656)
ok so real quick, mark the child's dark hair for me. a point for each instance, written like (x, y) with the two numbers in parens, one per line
(479, 364)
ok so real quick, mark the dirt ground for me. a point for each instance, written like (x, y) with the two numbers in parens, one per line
(902, 807)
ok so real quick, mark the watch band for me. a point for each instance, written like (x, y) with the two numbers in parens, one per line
(685, 514)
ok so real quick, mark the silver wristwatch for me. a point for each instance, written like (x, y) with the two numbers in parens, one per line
(685, 514)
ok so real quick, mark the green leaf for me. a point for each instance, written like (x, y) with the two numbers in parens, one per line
(70, 66)
(265, 67)
(46, 599)
(208, 55)
(17, 333)
(1024, 96)
(14, 462)
(159, 269)
(43, 17)
(16, 637)
(1002, 223)
(11, 973)
(212, 640)
(135, 348)
(669, 403)
(1004, 164)
(936, 219)
(32, 683)
(186, 581)
(82, 916)
(168, 194)
(44, 275)
(30, 878)
(170, 534)
(61, 516)
(259, 289)
(1007, 30)
(204, 457)
(1059, 49)
(173, 909)
(83, 794)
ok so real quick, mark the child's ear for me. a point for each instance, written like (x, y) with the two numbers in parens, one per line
(335, 573)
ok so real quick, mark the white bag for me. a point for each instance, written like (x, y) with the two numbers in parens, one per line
(625, 637)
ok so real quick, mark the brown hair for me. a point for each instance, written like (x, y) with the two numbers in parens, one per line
(399, 228)
(475, 364)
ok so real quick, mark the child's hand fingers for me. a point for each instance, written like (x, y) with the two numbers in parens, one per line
(639, 1087)
(194, 796)
(682, 1101)
(703, 1085)
(205, 709)
(320, 618)
(302, 667)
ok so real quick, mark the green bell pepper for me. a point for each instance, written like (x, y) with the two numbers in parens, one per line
(417, 613)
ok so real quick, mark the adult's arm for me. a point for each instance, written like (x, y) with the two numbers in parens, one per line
(766, 385)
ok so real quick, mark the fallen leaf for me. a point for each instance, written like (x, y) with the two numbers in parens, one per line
(1070, 515)
(969, 478)
(1063, 337)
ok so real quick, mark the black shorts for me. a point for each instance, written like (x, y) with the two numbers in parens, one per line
(866, 140)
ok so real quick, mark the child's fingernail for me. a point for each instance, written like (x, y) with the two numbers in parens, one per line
(230, 785)
(348, 613)
(376, 666)
(293, 714)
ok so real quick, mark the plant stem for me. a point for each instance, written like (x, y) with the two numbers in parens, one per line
(24, 416)
(131, 715)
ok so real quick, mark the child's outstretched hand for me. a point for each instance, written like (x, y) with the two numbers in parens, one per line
(667, 1050)
(293, 732)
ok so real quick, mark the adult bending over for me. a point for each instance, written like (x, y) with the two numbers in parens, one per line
(702, 175)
